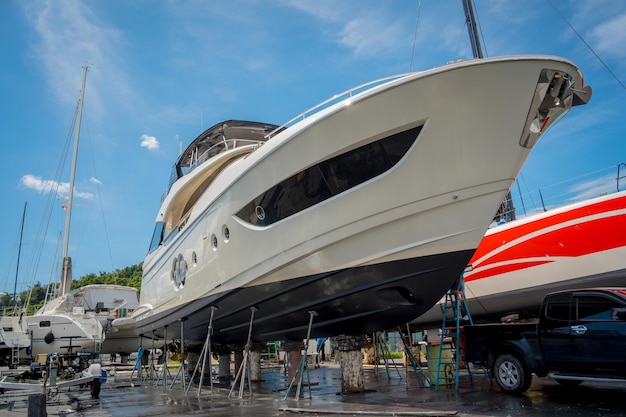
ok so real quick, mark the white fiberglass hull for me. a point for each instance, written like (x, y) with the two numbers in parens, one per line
(14, 338)
(107, 303)
(517, 264)
(371, 257)
(64, 333)
(121, 340)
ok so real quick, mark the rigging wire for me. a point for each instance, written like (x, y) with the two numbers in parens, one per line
(19, 251)
(9, 269)
(97, 182)
(55, 271)
(483, 44)
(466, 27)
(587, 45)
(461, 37)
(52, 194)
(419, 8)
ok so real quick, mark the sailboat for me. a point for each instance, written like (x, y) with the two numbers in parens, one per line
(72, 329)
(14, 336)
(364, 209)
(106, 303)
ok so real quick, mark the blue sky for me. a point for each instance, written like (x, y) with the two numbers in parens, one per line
(162, 71)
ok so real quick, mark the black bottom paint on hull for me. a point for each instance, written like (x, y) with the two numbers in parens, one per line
(353, 301)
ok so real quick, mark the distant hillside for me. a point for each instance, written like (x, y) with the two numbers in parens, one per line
(129, 276)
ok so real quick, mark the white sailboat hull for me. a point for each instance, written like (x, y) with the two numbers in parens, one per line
(64, 333)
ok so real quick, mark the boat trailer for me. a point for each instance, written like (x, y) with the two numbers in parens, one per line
(52, 383)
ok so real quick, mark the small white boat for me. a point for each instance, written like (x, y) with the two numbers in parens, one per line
(105, 303)
(61, 332)
(365, 209)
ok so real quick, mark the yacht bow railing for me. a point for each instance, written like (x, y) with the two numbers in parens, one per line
(335, 99)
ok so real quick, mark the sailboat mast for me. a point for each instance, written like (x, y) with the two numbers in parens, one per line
(472, 28)
(506, 210)
(66, 271)
(19, 252)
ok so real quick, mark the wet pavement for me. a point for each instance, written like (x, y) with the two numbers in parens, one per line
(387, 394)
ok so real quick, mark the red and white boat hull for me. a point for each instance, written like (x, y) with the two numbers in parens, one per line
(516, 264)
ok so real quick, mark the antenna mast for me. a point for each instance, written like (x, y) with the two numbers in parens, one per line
(470, 18)
(17, 267)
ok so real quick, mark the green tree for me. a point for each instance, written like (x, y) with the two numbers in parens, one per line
(129, 276)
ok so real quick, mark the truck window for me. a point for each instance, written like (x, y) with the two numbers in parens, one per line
(593, 308)
(558, 307)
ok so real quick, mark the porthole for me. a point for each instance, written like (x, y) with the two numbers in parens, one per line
(225, 233)
(260, 213)
(194, 259)
(214, 242)
(179, 271)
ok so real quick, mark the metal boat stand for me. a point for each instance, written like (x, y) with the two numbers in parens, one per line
(379, 342)
(165, 372)
(244, 368)
(153, 374)
(138, 366)
(204, 355)
(181, 370)
(303, 364)
(422, 378)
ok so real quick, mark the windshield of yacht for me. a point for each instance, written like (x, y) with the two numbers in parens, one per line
(219, 138)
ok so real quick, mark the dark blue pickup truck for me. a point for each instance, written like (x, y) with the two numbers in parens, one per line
(580, 336)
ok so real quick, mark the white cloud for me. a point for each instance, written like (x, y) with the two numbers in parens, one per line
(68, 34)
(365, 30)
(610, 37)
(149, 142)
(324, 10)
(593, 188)
(95, 181)
(45, 186)
(370, 36)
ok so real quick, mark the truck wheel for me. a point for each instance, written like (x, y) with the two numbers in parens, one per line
(511, 373)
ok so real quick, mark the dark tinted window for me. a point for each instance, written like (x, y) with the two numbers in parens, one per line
(157, 236)
(595, 308)
(44, 323)
(331, 177)
(558, 307)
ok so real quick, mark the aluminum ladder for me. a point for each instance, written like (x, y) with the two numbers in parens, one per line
(449, 360)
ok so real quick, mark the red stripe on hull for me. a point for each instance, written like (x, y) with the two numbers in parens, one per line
(498, 270)
(580, 231)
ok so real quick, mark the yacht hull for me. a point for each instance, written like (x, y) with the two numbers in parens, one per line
(377, 253)
(517, 264)
(363, 300)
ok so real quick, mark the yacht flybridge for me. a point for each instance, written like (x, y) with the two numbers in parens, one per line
(365, 209)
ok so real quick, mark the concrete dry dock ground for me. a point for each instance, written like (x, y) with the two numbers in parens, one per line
(393, 396)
